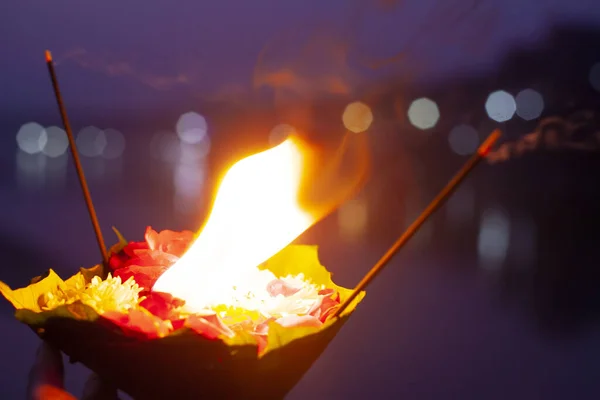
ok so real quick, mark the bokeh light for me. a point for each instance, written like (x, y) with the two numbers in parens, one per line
(423, 113)
(188, 179)
(165, 146)
(493, 240)
(188, 154)
(189, 175)
(353, 217)
(463, 139)
(57, 143)
(279, 133)
(595, 76)
(30, 169)
(91, 141)
(530, 104)
(115, 144)
(357, 117)
(500, 106)
(31, 138)
(192, 128)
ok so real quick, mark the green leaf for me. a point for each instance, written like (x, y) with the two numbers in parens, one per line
(29, 297)
(89, 273)
(118, 246)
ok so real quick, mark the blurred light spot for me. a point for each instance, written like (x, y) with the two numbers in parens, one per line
(191, 128)
(115, 144)
(192, 153)
(165, 146)
(423, 113)
(463, 139)
(188, 179)
(279, 133)
(91, 141)
(595, 76)
(530, 104)
(357, 117)
(57, 142)
(493, 240)
(32, 138)
(461, 205)
(30, 169)
(500, 106)
(353, 217)
(56, 170)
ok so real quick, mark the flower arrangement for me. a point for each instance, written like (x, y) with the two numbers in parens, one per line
(117, 325)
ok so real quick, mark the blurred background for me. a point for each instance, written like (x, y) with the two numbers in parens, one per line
(498, 296)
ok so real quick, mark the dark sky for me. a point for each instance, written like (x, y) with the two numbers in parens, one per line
(139, 53)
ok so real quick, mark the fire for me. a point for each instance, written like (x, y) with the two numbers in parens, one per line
(259, 209)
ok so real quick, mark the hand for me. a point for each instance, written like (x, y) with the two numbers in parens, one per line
(46, 379)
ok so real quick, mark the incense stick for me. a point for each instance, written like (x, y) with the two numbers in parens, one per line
(78, 167)
(482, 151)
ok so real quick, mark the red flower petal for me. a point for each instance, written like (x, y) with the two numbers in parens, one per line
(261, 341)
(133, 246)
(178, 324)
(117, 260)
(139, 324)
(325, 306)
(175, 243)
(263, 328)
(162, 305)
(299, 320)
(209, 326)
(151, 258)
(145, 277)
(279, 286)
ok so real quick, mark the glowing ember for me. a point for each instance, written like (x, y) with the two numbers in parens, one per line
(257, 212)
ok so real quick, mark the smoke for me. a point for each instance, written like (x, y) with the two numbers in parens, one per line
(578, 132)
(119, 68)
(305, 64)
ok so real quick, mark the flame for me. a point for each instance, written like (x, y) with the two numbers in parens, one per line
(264, 202)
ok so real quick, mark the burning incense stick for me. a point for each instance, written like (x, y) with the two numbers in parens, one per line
(482, 151)
(78, 167)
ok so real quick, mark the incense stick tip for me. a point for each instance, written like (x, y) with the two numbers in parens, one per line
(486, 146)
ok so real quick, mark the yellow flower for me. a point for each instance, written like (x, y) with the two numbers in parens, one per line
(102, 295)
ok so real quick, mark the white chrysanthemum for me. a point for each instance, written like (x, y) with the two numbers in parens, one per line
(252, 295)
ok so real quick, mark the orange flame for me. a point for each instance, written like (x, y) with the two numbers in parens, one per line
(264, 202)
